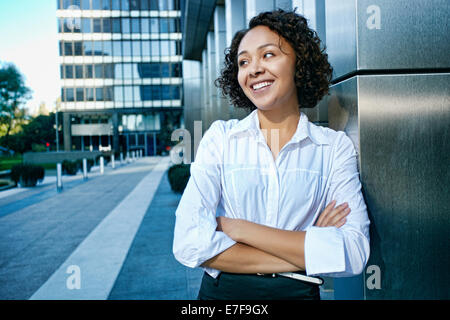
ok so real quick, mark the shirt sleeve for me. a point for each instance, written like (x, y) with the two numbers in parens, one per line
(195, 237)
(344, 251)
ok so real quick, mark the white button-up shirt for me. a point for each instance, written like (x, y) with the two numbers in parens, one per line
(235, 175)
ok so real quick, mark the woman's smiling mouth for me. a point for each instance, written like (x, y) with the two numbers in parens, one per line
(261, 86)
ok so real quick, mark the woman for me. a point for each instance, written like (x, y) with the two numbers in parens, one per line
(263, 193)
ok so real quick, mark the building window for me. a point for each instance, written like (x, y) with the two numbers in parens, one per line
(79, 72)
(69, 95)
(88, 73)
(69, 71)
(98, 69)
(116, 22)
(126, 46)
(80, 94)
(135, 25)
(88, 48)
(144, 4)
(77, 48)
(106, 5)
(154, 25)
(108, 71)
(126, 25)
(118, 71)
(146, 48)
(155, 48)
(97, 25)
(134, 5)
(127, 71)
(117, 48)
(136, 48)
(106, 25)
(145, 25)
(99, 94)
(118, 93)
(68, 51)
(115, 4)
(125, 5)
(107, 48)
(89, 94)
(96, 4)
(86, 25)
(128, 93)
(98, 51)
(86, 4)
(109, 93)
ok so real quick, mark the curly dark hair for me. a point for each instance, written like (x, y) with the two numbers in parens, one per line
(313, 72)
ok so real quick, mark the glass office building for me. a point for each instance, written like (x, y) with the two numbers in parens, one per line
(121, 77)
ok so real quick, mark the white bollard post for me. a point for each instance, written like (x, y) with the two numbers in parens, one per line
(59, 185)
(128, 157)
(85, 169)
(102, 165)
(121, 158)
(113, 163)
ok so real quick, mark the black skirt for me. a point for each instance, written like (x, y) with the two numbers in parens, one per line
(235, 286)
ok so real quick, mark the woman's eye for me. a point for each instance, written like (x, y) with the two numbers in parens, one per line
(268, 54)
(242, 62)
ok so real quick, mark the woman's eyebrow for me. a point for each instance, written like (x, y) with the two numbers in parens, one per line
(259, 48)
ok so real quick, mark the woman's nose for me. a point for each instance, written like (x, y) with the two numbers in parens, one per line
(256, 69)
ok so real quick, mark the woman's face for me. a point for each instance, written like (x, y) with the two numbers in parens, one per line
(266, 71)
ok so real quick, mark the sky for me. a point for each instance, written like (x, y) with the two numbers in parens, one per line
(29, 39)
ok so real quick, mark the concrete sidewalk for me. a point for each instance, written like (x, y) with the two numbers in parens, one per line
(117, 228)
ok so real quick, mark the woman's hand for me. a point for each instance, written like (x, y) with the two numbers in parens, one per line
(333, 217)
(231, 227)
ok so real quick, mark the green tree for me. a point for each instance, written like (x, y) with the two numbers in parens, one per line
(13, 95)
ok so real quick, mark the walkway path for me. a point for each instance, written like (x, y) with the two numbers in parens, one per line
(114, 231)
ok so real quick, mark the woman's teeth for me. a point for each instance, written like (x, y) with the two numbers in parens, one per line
(261, 85)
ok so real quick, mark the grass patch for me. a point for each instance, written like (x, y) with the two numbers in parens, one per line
(6, 163)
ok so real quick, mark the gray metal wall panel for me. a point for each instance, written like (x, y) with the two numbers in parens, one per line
(404, 151)
(385, 34)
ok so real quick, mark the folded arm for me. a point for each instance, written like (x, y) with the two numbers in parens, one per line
(266, 248)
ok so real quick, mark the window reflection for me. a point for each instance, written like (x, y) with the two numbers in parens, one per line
(117, 48)
(136, 48)
(98, 50)
(99, 94)
(79, 72)
(118, 71)
(97, 25)
(88, 48)
(154, 25)
(135, 25)
(86, 26)
(125, 25)
(116, 23)
(118, 93)
(89, 94)
(146, 48)
(126, 46)
(128, 93)
(125, 5)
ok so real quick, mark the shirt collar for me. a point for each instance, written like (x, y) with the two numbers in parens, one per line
(305, 129)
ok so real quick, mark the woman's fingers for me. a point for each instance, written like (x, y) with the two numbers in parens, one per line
(339, 216)
(332, 216)
(325, 212)
(335, 214)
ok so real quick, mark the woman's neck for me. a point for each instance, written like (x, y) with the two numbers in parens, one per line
(285, 120)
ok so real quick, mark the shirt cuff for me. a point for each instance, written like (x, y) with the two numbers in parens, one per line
(324, 250)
